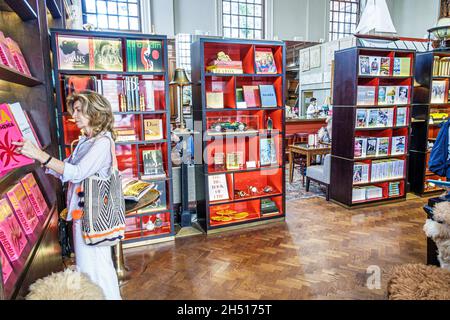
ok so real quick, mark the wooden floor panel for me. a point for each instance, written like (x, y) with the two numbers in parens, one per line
(322, 251)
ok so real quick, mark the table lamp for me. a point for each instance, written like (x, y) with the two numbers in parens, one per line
(180, 79)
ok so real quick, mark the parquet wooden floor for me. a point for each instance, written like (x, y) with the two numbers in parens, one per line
(322, 251)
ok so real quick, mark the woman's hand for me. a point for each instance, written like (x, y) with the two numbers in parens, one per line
(28, 149)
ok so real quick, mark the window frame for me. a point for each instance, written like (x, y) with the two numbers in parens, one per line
(264, 19)
(336, 35)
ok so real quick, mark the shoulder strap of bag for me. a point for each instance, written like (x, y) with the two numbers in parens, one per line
(113, 154)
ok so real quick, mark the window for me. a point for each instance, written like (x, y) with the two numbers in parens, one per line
(344, 18)
(112, 14)
(243, 19)
(183, 57)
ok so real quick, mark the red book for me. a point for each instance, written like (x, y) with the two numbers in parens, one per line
(12, 238)
(23, 209)
(18, 57)
(9, 132)
(34, 195)
(6, 57)
(251, 96)
(6, 267)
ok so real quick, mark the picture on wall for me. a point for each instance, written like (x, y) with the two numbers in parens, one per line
(315, 57)
(332, 47)
(304, 60)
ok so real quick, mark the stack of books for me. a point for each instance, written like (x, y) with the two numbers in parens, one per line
(387, 169)
(268, 207)
(366, 193)
(220, 66)
(441, 66)
(11, 55)
(394, 189)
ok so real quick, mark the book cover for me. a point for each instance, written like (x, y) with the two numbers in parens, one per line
(382, 95)
(374, 66)
(385, 66)
(12, 238)
(385, 117)
(360, 172)
(265, 63)
(240, 101)
(34, 195)
(402, 67)
(23, 122)
(107, 54)
(382, 147)
(360, 147)
(364, 65)
(372, 118)
(371, 147)
(18, 57)
(161, 203)
(398, 145)
(402, 95)
(361, 118)
(401, 117)
(251, 96)
(218, 187)
(366, 95)
(145, 55)
(112, 90)
(438, 91)
(267, 151)
(153, 129)
(134, 189)
(268, 95)
(391, 93)
(73, 53)
(76, 84)
(153, 164)
(23, 209)
(214, 100)
(9, 132)
(6, 57)
(232, 162)
(6, 267)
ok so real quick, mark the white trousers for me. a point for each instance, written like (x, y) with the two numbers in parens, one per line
(97, 264)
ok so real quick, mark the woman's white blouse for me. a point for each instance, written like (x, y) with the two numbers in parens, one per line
(90, 156)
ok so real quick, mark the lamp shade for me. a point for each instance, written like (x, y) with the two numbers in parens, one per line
(180, 78)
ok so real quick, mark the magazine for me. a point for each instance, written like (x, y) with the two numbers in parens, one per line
(402, 96)
(385, 66)
(398, 145)
(438, 91)
(134, 189)
(371, 147)
(382, 146)
(372, 119)
(364, 66)
(265, 63)
(360, 147)
(361, 118)
(375, 65)
(401, 117)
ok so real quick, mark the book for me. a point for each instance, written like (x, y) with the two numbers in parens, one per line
(391, 94)
(12, 238)
(374, 63)
(264, 61)
(154, 94)
(360, 147)
(385, 117)
(402, 95)
(394, 189)
(107, 54)
(112, 90)
(24, 124)
(161, 203)
(6, 267)
(234, 160)
(387, 169)
(401, 117)
(371, 147)
(218, 187)
(366, 95)
(153, 164)
(73, 53)
(22, 208)
(398, 145)
(358, 194)
(438, 91)
(76, 84)
(382, 95)
(6, 57)
(373, 192)
(214, 100)
(19, 59)
(361, 118)
(267, 151)
(402, 67)
(382, 146)
(372, 118)
(385, 66)
(251, 96)
(360, 172)
(153, 129)
(240, 101)
(364, 65)
(9, 132)
(34, 195)
(268, 95)
(134, 189)
(144, 55)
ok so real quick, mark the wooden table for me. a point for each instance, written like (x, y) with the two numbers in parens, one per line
(306, 150)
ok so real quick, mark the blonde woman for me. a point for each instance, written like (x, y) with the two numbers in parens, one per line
(92, 114)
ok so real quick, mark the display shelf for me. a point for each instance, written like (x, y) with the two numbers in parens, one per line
(133, 110)
(13, 76)
(256, 146)
(22, 8)
(353, 106)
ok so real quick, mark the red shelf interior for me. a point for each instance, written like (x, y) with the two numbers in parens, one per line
(236, 52)
(252, 207)
(277, 83)
(127, 160)
(277, 52)
(259, 179)
(225, 85)
(128, 125)
(155, 146)
(136, 227)
(385, 187)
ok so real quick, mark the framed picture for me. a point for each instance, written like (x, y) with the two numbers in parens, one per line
(304, 60)
(332, 47)
(315, 57)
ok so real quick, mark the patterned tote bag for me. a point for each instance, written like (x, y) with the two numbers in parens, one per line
(103, 221)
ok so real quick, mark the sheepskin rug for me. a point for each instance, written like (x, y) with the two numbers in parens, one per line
(65, 285)
(440, 232)
(419, 282)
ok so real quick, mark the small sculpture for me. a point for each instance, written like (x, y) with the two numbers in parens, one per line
(221, 56)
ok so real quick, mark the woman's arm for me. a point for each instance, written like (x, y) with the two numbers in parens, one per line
(28, 149)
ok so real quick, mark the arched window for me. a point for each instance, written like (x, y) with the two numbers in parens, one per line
(243, 19)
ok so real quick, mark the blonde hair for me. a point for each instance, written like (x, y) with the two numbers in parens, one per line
(96, 108)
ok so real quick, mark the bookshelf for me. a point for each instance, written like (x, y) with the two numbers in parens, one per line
(249, 183)
(139, 99)
(430, 68)
(371, 126)
(26, 22)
